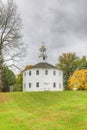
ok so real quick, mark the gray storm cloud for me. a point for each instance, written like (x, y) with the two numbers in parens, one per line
(61, 24)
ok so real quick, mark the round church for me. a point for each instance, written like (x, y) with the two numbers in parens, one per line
(43, 76)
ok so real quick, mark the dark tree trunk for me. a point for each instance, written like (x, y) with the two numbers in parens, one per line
(1, 69)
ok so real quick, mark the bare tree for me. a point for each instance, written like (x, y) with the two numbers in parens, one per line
(11, 47)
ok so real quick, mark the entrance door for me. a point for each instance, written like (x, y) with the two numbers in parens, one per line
(47, 86)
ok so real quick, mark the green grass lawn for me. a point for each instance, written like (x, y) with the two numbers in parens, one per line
(43, 110)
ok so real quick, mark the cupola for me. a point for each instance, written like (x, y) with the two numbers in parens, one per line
(43, 55)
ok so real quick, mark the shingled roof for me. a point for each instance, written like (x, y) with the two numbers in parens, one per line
(43, 65)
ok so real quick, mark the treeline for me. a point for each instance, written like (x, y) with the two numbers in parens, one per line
(70, 63)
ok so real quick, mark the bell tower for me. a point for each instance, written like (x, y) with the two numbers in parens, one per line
(43, 55)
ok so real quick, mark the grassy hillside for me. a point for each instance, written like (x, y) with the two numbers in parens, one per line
(43, 111)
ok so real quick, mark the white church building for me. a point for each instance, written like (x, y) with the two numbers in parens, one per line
(43, 76)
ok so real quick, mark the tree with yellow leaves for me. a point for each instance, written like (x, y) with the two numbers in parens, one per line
(78, 80)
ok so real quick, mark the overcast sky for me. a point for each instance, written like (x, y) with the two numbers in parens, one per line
(60, 24)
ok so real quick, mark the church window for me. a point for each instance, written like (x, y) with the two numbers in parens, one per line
(54, 85)
(59, 85)
(46, 72)
(37, 84)
(37, 72)
(54, 72)
(59, 73)
(29, 72)
(29, 85)
(24, 73)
